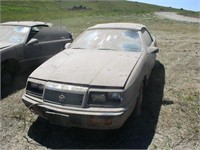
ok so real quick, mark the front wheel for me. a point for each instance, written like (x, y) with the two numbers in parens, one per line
(8, 71)
(6, 78)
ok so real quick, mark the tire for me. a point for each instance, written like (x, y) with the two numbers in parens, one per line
(6, 78)
(8, 72)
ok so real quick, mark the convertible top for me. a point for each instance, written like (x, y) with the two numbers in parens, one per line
(134, 26)
(26, 23)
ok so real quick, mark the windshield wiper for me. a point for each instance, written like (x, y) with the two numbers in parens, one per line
(106, 49)
(78, 48)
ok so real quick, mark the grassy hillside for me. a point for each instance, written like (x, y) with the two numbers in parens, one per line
(78, 15)
(47, 9)
(42, 10)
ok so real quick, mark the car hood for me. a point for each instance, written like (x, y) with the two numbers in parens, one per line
(89, 67)
(5, 45)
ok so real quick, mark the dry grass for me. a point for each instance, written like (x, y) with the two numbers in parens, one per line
(178, 125)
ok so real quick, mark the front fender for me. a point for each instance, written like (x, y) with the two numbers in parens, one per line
(8, 53)
(135, 79)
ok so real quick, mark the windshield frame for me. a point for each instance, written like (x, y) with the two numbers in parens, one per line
(72, 46)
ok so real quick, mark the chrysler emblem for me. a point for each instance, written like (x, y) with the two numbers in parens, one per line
(61, 98)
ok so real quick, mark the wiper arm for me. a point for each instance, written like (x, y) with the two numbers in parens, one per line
(77, 48)
(106, 49)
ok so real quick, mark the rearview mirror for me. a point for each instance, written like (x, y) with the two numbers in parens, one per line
(152, 50)
(33, 41)
(67, 45)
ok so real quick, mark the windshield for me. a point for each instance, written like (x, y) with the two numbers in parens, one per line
(109, 39)
(13, 34)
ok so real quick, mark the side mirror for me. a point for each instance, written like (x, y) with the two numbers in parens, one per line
(152, 50)
(154, 40)
(33, 41)
(67, 45)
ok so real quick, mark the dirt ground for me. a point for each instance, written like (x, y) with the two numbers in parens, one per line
(174, 16)
(170, 116)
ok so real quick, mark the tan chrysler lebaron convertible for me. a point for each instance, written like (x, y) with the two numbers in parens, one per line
(97, 81)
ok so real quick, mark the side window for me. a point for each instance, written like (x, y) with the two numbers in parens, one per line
(35, 30)
(38, 28)
(52, 33)
(147, 38)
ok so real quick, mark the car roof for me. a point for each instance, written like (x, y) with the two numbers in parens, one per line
(133, 26)
(26, 23)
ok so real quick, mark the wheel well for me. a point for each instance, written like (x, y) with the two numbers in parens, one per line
(10, 65)
(145, 81)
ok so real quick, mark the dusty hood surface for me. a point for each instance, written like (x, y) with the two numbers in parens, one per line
(89, 67)
(4, 45)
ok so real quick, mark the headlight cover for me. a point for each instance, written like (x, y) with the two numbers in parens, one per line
(97, 98)
(35, 88)
(105, 98)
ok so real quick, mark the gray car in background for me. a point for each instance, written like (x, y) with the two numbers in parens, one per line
(27, 44)
(98, 81)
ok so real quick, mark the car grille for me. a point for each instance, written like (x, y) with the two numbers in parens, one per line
(63, 98)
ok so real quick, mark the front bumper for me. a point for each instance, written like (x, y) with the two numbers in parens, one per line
(91, 118)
